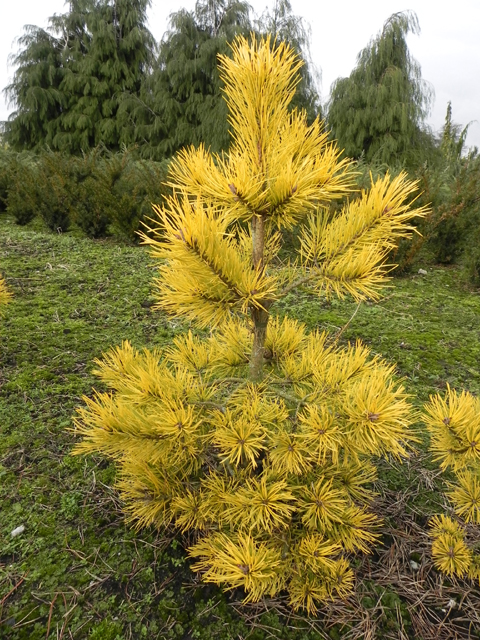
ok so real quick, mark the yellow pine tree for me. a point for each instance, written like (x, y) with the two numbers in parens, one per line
(259, 438)
(454, 426)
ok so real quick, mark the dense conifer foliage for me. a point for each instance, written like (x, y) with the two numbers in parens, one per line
(258, 439)
(96, 76)
(71, 78)
(119, 52)
(100, 192)
(35, 91)
(450, 183)
(379, 110)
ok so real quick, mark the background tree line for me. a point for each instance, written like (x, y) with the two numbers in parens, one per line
(97, 76)
(95, 82)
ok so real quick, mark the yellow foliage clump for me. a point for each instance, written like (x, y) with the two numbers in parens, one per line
(264, 474)
(454, 426)
(5, 294)
(259, 438)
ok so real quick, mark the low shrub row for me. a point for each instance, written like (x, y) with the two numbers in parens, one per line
(100, 192)
(451, 232)
(104, 193)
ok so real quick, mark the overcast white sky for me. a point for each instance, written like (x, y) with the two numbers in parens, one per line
(448, 48)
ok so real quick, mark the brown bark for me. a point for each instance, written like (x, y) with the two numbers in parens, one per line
(260, 322)
(258, 241)
(259, 316)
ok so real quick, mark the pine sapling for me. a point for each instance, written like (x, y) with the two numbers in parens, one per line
(258, 439)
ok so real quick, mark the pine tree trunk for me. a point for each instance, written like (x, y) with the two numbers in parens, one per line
(259, 316)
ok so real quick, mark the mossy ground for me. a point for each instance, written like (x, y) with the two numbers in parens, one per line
(77, 571)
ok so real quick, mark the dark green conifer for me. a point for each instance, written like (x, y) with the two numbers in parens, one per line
(118, 55)
(379, 110)
(72, 78)
(452, 142)
(181, 102)
(35, 90)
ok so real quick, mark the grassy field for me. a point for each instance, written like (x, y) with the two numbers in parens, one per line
(77, 571)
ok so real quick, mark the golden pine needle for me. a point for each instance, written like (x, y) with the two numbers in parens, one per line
(451, 555)
(465, 495)
(5, 294)
(288, 453)
(239, 440)
(263, 504)
(237, 562)
(454, 426)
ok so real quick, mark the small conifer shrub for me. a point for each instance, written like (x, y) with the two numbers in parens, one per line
(454, 426)
(258, 440)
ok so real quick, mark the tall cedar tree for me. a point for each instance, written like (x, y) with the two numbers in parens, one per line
(180, 102)
(379, 110)
(119, 54)
(258, 439)
(35, 91)
(71, 79)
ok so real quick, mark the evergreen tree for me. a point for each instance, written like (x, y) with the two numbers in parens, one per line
(72, 78)
(452, 142)
(260, 437)
(35, 91)
(379, 110)
(102, 72)
(181, 101)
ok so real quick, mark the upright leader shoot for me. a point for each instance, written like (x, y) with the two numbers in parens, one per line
(258, 439)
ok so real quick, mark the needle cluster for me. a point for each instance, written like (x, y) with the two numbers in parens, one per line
(259, 439)
(274, 477)
(454, 426)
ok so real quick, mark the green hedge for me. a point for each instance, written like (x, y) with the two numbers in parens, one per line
(101, 193)
(104, 193)
(450, 233)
